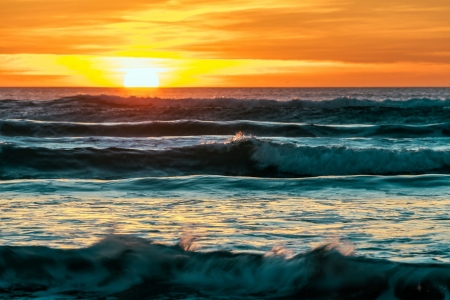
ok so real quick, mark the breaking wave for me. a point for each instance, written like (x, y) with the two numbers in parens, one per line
(129, 267)
(239, 156)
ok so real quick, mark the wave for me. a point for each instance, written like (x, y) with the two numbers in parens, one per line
(130, 267)
(239, 156)
(431, 185)
(195, 127)
(235, 102)
(111, 100)
(342, 160)
(339, 111)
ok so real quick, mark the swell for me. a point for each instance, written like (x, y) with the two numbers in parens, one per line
(226, 185)
(239, 156)
(135, 268)
(195, 127)
(348, 115)
(111, 100)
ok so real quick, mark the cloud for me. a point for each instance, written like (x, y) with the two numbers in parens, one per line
(23, 80)
(199, 33)
(342, 32)
(350, 31)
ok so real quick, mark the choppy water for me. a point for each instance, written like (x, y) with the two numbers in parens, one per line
(225, 193)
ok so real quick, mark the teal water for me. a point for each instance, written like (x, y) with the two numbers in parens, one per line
(225, 193)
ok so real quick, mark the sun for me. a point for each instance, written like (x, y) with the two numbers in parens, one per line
(141, 78)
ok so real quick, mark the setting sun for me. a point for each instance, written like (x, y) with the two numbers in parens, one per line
(195, 43)
(141, 78)
(162, 149)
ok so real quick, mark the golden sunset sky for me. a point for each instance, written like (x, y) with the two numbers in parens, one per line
(226, 43)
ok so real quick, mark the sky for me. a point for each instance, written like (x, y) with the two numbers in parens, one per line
(229, 43)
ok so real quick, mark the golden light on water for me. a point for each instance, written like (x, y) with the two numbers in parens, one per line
(141, 78)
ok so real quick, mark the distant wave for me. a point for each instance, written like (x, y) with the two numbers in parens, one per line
(233, 102)
(96, 109)
(125, 266)
(105, 100)
(196, 127)
(239, 156)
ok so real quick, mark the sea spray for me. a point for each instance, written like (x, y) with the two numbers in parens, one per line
(121, 262)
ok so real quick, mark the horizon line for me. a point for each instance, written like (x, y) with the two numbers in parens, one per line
(225, 87)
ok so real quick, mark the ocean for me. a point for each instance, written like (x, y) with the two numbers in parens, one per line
(225, 193)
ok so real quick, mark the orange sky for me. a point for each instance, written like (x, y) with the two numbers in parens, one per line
(226, 43)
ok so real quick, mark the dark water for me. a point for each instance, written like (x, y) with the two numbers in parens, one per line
(225, 193)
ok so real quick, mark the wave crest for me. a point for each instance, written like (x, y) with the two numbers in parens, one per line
(236, 102)
(197, 127)
(241, 156)
(111, 100)
(125, 265)
(342, 160)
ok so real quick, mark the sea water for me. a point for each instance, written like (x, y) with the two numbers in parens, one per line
(225, 193)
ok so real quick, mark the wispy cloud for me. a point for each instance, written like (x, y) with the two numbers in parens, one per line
(351, 32)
